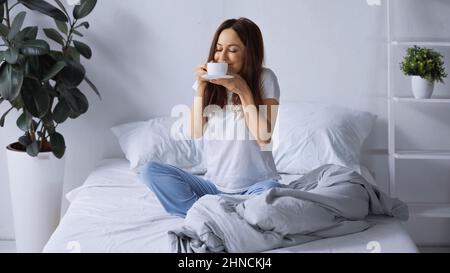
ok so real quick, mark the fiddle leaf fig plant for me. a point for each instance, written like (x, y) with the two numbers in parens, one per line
(40, 82)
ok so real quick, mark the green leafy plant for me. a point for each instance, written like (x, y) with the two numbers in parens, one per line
(424, 62)
(39, 82)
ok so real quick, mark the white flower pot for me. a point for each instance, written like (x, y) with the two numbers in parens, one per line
(421, 88)
(36, 186)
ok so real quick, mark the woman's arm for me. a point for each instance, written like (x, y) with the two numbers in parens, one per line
(196, 117)
(197, 121)
(260, 123)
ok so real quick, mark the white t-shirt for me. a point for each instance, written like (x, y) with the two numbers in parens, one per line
(234, 160)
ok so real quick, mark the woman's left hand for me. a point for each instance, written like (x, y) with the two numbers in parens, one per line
(236, 85)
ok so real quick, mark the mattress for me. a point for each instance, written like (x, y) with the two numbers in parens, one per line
(113, 212)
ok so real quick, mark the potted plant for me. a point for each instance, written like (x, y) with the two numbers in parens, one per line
(425, 66)
(42, 85)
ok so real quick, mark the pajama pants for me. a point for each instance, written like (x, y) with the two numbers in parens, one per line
(178, 190)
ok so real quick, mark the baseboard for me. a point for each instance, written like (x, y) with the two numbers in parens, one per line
(434, 249)
(7, 246)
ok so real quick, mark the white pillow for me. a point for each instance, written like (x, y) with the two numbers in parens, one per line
(142, 142)
(309, 135)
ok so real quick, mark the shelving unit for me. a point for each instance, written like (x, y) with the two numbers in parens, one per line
(430, 210)
(414, 100)
(422, 154)
(439, 210)
(420, 43)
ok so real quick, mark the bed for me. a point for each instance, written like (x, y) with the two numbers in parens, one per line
(113, 212)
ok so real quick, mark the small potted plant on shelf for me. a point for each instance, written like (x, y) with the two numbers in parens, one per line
(425, 66)
(42, 84)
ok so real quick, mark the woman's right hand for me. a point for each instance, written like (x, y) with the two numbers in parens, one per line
(199, 72)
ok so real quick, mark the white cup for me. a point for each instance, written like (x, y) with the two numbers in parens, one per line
(217, 69)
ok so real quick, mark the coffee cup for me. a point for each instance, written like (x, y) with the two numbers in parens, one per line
(217, 69)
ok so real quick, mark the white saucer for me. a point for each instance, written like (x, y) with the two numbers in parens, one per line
(212, 77)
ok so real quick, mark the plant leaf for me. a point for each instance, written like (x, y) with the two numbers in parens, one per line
(83, 10)
(83, 48)
(45, 8)
(26, 34)
(34, 47)
(76, 101)
(4, 30)
(25, 140)
(54, 35)
(61, 6)
(56, 55)
(82, 101)
(2, 11)
(84, 24)
(48, 123)
(31, 65)
(46, 64)
(76, 32)
(61, 112)
(54, 70)
(11, 55)
(24, 121)
(33, 149)
(58, 144)
(17, 102)
(16, 25)
(73, 74)
(73, 54)
(62, 26)
(93, 87)
(35, 98)
(11, 81)
(2, 119)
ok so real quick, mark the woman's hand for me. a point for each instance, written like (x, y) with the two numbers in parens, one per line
(199, 72)
(236, 85)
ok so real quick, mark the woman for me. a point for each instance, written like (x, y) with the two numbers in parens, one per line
(234, 166)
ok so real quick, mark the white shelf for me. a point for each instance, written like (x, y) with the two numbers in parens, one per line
(429, 210)
(414, 100)
(421, 43)
(422, 154)
(433, 210)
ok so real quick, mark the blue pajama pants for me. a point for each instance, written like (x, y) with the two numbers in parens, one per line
(178, 190)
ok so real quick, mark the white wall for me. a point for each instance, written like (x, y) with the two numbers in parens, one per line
(145, 53)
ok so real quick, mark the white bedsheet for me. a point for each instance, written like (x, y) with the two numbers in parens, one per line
(114, 212)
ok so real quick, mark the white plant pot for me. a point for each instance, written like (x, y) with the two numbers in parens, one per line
(36, 186)
(421, 88)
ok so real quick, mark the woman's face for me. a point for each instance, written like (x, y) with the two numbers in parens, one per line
(230, 49)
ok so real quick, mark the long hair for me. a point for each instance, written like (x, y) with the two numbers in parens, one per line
(251, 37)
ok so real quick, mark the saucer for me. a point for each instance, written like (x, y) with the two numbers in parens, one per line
(212, 77)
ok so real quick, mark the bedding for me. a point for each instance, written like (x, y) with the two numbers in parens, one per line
(306, 136)
(113, 212)
(309, 135)
(159, 139)
(327, 202)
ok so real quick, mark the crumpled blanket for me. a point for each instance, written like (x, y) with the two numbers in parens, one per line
(329, 201)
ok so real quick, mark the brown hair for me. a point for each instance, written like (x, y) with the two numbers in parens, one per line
(251, 37)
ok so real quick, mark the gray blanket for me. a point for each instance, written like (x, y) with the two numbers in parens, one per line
(329, 201)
